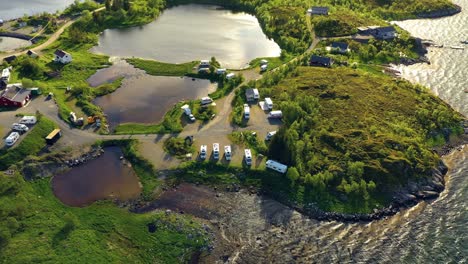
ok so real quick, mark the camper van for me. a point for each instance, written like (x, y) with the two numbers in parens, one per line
(204, 63)
(203, 150)
(11, 139)
(220, 71)
(206, 100)
(246, 111)
(30, 120)
(230, 76)
(227, 152)
(248, 157)
(215, 151)
(263, 67)
(269, 103)
(275, 114)
(19, 127)
(274, 165)
(188, 112)
(270, 135)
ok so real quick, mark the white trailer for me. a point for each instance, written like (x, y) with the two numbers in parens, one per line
(275, 114)
(246, 111)
(274, 165)
(28, 120)
(215, 151)
(248, 157)
(269, 103)
(206, 100)
(203, 150)
(230, 76)
(12, 138)
(221, 71)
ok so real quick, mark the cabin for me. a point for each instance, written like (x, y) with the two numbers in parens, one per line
(340, 47)
(62, 56)
(320, 61)
(318, 10)
(53, 136)
(14, 96)
(274, 165)
(252, 94)
(385, 33)
(32, 54)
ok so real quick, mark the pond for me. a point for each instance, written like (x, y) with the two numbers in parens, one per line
(144, 98)
(106, 177)
(192, 32)
(18, 8)
(9, 44)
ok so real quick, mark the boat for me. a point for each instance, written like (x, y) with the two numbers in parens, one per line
(457, 47)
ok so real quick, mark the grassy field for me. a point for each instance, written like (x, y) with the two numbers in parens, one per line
(37, 228)
(33, 142)
(163, 69)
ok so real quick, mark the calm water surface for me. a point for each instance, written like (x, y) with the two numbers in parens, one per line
(192, 32)
(10, 9)
(8, 44)
(106, 177)
(144, 98)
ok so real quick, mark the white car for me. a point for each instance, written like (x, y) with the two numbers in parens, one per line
(11, 139)
(192, 118)
(20, 127)
(203, 149)
(270, 135)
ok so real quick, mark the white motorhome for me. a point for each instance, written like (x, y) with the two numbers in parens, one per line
(246, 111)
(227, 152)
(206, 100)
(11, 139)
(188, 112)
(269, 103)
(28, 120)
(220, 71)
(248, 157)
(230, 76)
(274, 165)
(205, 63)
(215, 151)
(19, 127)
(203, 150)
(275, 114)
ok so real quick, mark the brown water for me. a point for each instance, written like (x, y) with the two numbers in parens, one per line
(192, 32)
(144, 98)
(9, 44)
(106, 177)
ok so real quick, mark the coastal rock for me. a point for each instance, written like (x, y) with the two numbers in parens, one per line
(429, 195)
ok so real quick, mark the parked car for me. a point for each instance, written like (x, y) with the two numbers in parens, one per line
(203, 149)
(20, 127)
(230, 76)
(12, 138)
(246, 111)
(192, 118)
(270, 135)
(227, 152)
(206, 100)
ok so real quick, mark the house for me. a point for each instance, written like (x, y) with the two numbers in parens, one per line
(32, 54)
(385, 32)
(15, 96)
(340, 47)
(318, 10)
(320, 61)
(9, 59)
(62, 56)
(252, 94)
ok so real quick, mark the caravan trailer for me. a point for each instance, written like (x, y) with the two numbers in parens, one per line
(248, 157)
(227, 152)
(215, 151)
(269, 103)
(246, 111)
(274, 165)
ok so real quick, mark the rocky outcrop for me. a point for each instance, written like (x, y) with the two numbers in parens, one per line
(441, 13)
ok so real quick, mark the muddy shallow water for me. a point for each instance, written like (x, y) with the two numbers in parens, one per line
(144, 98)
(192, 32)
(106, 177)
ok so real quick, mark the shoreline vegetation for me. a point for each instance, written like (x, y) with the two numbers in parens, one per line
(360, 144)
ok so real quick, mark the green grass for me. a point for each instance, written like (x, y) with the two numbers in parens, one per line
(273, 62)
(33, 142)
(42, 229)
(163, 69)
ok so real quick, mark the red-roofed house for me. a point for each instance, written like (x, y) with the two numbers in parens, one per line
(14, 96)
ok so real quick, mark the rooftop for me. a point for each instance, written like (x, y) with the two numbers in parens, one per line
(60, 53)
(15, 93)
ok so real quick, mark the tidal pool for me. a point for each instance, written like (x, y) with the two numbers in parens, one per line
(144, 98)
(106, 177)
(192, 32)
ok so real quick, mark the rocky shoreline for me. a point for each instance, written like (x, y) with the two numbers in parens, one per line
(441, 13)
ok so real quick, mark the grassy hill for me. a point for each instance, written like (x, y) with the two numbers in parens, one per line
(354, 137)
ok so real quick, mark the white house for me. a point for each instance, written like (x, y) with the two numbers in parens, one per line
(62, 56)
